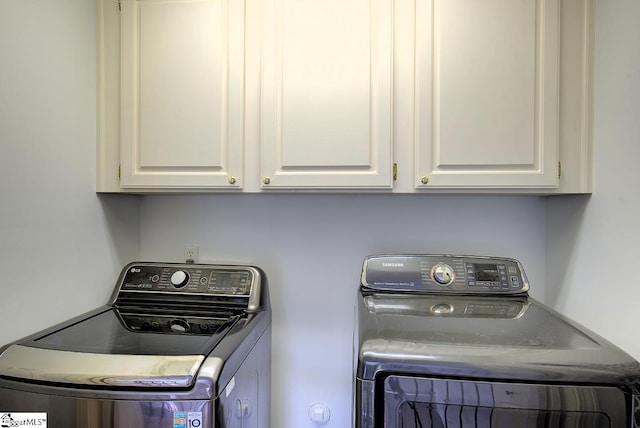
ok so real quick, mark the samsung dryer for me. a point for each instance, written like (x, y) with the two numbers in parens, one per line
(455, 341)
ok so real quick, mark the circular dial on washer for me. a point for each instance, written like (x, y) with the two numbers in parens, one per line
(179, 278)
(443, 274)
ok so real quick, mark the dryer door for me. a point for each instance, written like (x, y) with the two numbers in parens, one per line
(413, 402)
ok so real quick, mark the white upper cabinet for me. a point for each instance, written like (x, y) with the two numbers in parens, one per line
(182, 99)
(326, 94)
(463, 96)
(487, 94)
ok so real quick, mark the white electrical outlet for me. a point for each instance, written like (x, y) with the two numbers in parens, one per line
(191, 254)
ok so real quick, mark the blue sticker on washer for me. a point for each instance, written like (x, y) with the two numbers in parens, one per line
(179, 419)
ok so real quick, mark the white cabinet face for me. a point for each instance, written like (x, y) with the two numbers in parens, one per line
(326, 93)
(253, 95)
(182, 93)
(487, 93)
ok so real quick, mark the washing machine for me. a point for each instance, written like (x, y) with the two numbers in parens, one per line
(176, 346)
(456, 341)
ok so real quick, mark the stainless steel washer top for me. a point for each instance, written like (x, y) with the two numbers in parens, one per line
(172, 337)
(428, 324)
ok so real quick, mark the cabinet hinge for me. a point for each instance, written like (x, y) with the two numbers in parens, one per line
(559, 169)
(395, 171)
(119, 172)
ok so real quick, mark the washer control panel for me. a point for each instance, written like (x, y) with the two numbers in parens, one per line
(444, 274)
(200, 279)
(182, 285)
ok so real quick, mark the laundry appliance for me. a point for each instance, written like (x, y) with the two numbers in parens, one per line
(176, 346)
(457, 342)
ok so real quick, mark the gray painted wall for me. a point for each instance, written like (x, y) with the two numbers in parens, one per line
(312, 247)
(60, 244)
(593, 242)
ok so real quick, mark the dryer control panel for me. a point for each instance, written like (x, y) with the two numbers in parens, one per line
(452, 274)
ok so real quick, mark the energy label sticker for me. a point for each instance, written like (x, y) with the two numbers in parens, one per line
(187, 419)
(23, 419)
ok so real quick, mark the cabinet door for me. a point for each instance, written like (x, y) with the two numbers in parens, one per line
(182, 93)
(326, 94)
(487, 93)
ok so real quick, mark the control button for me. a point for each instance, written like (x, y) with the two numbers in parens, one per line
(443, 274)
(514, 282)
(179, 278)
(155, 278)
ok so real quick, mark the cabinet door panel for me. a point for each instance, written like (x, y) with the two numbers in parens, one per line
(487, 106)
(182, 108)
(326, 95)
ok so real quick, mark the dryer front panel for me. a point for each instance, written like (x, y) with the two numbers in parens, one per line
(412, 402)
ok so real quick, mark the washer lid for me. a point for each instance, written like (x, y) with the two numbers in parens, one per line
(110, 332)
(150, 371)
(104, 350)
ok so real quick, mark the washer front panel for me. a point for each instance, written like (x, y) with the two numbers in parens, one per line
(80, 368)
